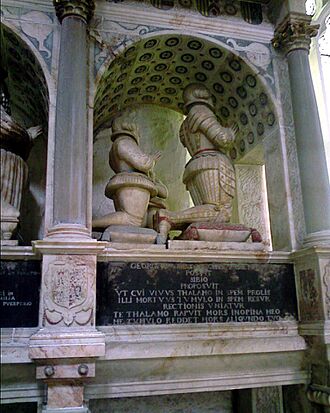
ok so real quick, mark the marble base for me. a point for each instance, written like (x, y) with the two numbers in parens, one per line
(66, 410)
(129, 234)
(66, 343)
(8, 242)
(320, 238)
(218, 246)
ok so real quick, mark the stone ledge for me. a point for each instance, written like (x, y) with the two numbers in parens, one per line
(68, 247)
(189, 385)
(165, 255)
(130, 342)
(61, 344)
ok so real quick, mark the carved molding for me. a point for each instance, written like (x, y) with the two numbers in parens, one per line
(69, 293)
(295, 32)
(326, 281)
(309, 297)
(79, 8)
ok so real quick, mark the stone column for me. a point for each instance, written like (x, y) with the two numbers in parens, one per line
(293, 37)
(71, 136)
(67, 344)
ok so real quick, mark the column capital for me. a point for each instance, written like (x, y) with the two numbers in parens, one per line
(295, 32)
(79, 8)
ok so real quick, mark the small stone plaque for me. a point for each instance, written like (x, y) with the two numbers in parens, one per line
(182, 293)
(19, 293)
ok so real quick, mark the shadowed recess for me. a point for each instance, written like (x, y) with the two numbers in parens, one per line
(23, 80)
(157, 69)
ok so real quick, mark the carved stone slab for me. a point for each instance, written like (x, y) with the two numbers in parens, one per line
(19, 293)
(181, 293)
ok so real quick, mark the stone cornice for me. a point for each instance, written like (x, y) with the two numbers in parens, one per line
(295, 32)
(78, 8)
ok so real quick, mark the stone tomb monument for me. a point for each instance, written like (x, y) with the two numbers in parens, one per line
(209, 177)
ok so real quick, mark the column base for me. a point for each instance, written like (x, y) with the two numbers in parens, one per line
(319, 238)
(66, 343)
(66, 410)
(69, 231)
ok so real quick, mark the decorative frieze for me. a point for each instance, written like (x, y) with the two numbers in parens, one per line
(295, 32)
(78, 8)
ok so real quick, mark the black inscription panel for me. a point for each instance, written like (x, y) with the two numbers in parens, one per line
(181, 293)
(19, 293)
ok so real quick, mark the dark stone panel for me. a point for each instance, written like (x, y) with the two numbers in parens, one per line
(180, 293)
(19, 293)
(19, 408)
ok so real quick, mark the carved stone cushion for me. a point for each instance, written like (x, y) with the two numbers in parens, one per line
(209, 231)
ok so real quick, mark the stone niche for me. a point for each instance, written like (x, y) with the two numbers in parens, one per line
(25, 98)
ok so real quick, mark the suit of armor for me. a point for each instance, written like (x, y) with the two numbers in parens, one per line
(132, 187)
(209, 175)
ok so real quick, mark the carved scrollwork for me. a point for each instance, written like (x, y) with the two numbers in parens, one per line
(326, 281)
(79, 8)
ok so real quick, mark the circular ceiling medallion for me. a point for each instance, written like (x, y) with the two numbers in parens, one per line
(175, 80)
(187, 58)
(243, 118)
(133, 91)
(194, 45)
(156, 78)
(166, 55)
(253, 109)
(215, 52)
(251, 80)
(208, 65)
(235, 65)
(201, 77)
(263, 99)
(233, 102)
(250, 137)
(260, 129)
(140, 69)
(172, 41)
(145, 57)
(150, 43)
(218, 88)
(224, 112)
(181, 69)
(170, 90)
(241, 91)
(160, 67)
(271, 119)
(226, 77)
(136, 80)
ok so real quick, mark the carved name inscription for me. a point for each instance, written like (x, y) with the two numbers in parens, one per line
(176, 293)
(19, 293)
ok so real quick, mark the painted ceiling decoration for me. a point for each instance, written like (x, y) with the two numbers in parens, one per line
(22, 81)
(157, 69)
(250, 11)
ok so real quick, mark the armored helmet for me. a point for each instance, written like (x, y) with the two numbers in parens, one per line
(197, 93)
